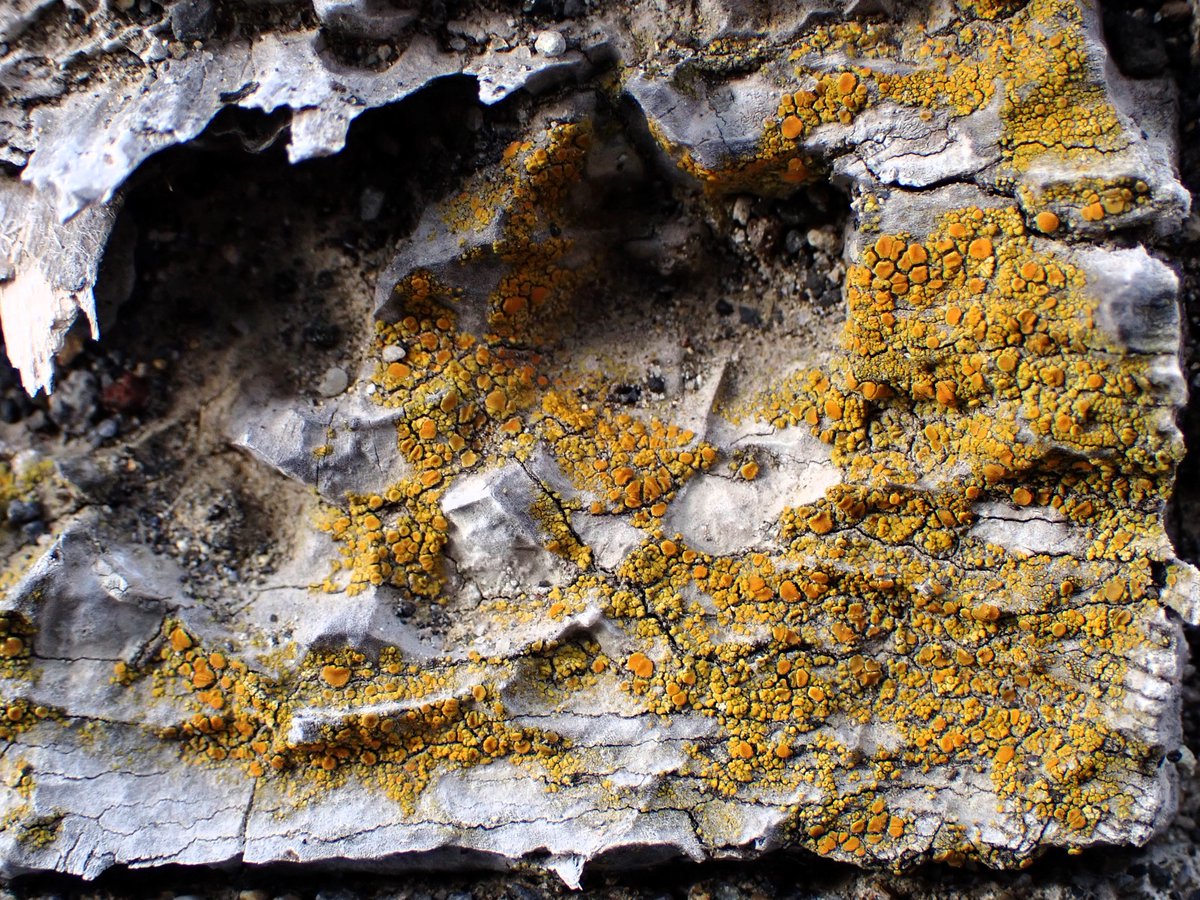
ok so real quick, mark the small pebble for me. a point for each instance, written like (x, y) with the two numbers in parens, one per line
(22, 511)
(74, 401)
(741, 209)
(333, 382)
(370, 204)
(393, 353)
(550, 44)
(748, 315)
(825, 240)
(31, 531)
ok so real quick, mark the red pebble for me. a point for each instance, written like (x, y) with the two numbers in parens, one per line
(128, 394)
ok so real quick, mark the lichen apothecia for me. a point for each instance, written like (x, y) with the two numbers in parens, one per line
(882, 646)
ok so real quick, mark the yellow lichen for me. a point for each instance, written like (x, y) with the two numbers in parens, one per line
(1029, 58)
(971, 373)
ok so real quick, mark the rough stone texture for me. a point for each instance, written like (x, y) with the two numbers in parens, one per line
(49, 275)
(90, 140)
(885, 580)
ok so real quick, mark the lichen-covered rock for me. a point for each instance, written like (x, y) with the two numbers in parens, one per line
(78, 150)
(888, 582)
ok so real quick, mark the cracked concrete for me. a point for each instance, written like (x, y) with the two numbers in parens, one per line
(123, 739)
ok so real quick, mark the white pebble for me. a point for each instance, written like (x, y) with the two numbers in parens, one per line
(550, 43)
(333, 382)
(393, 353)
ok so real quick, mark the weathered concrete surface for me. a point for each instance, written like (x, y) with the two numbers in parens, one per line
(887, 582)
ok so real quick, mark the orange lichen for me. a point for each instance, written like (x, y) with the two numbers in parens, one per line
(409, 730)
(1031, 54)
(971, 374)
(1047, 222)
(628, 463)
(335, 676)
(640, 665)
(17, 712)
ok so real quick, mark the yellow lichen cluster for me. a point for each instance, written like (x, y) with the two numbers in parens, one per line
(782, 164)
(1052, 97)
(385, 718)
(452, 393)
(1085, 201)
(1030, 59)
(21, 821)
(20, 715)
(529, 200)
(975, 320)
(973, 368)
(630, 465)
(457, 392)
(990, 9)
(552, 513)
(849, 628)
(881, 645)
(16, 633)
(17, 714)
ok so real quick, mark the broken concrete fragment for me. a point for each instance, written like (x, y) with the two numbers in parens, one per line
(346, 445)
(887, 583)
(377, 19)
(93, 139)
(47, 272)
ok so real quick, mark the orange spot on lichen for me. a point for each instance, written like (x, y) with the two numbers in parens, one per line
(335, 676)
(641, 665)
(1046, 222)
(980, 248)
(180, 640)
